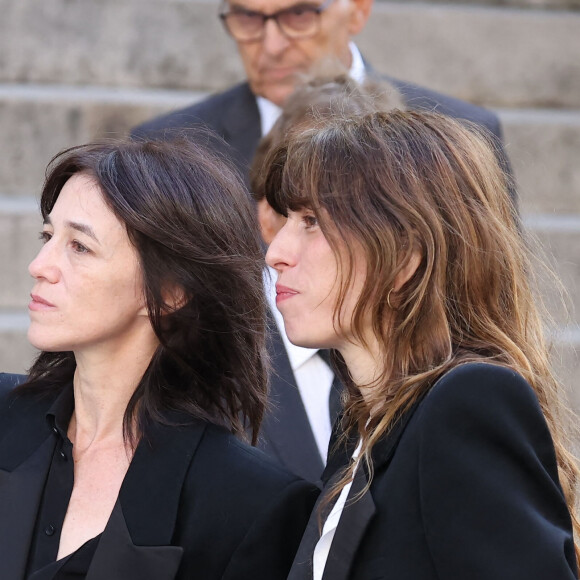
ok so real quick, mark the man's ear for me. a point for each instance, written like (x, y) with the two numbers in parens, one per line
(360, 12)
(408, 270)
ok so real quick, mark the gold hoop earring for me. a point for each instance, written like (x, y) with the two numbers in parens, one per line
(389, 299)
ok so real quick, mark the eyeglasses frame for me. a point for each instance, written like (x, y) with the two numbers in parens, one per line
(318, 10)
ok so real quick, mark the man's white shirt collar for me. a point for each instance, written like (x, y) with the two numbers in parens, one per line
(357, 67)
(269, 112)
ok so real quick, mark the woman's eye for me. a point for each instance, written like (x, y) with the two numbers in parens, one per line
(44, 237)
(79, 248)
(310, 221)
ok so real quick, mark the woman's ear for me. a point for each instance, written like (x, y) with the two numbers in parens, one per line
(408, 270)
(173, 298)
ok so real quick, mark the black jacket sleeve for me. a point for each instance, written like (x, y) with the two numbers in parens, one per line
(491, 500)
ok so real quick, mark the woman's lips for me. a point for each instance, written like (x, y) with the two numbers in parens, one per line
(39, 303)
(283, 293)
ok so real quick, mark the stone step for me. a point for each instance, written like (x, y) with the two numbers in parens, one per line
(20, 224)
(499, 56)
(566, 363)
(39, 121)
(544, 148)
(543, 4)
(556, 242)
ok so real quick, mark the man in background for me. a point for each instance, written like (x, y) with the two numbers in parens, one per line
(278, 41)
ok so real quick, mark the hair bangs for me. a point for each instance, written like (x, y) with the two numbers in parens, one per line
(288, 185)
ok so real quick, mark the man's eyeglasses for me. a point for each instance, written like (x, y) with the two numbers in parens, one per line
(298, 21)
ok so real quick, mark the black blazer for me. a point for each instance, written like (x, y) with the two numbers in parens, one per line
(465, 488)
(234, 116)
(195, 503)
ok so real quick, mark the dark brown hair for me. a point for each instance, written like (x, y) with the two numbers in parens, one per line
(193, 225)
(401, 183)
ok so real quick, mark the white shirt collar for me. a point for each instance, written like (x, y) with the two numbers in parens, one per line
(297, 355)
(357, 66)
(269, 112)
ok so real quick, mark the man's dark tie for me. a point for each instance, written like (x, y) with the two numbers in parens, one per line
(334, 402)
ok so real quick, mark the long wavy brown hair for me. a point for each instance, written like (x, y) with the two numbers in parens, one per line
(399, 183)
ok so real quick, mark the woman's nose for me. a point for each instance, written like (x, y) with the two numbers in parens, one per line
(279, 254)
(44, 264)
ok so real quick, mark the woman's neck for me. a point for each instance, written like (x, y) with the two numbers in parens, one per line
(365, 366)
(103, 386)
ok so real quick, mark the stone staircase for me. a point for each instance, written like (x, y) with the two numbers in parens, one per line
(73, 70)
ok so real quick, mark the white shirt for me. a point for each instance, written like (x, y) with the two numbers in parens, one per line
(313, 376)
(269, 112)
(322, 548)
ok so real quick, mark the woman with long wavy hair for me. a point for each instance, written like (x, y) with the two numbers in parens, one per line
(402, 251)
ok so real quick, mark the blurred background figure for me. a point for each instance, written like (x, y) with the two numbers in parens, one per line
(120, 455)
(278, 41)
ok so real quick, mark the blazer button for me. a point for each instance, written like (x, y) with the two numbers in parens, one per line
(49, 530)
(63, 455)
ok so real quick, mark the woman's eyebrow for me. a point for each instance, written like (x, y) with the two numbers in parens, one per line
(83, 228)
(79, 227)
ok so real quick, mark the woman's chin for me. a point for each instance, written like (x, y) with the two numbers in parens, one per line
(307, 341)
(42, 342)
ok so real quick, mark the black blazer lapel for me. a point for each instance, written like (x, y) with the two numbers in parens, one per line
(118, 558)
(354, 521)
(353, 524)
(356, 515)
(25, 456)
(286, 433)
(136, 543)
(302, 564)
(385, 448)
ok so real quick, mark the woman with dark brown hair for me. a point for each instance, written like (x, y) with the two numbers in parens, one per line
(402, 251)
(118, 455)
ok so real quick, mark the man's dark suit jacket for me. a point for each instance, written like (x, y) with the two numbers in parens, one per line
(465, 488)
(234, 116)
(195, 503)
